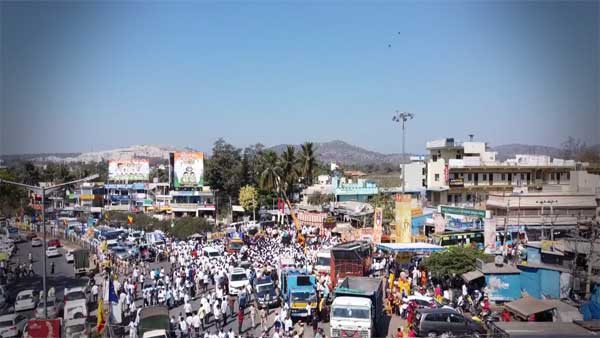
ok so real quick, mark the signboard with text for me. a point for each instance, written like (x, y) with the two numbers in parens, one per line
(463, 211)
(188, 169)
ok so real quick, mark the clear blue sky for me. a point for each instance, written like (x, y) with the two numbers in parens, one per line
(88, 76)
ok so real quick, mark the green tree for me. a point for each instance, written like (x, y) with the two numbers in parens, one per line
(289, 169)
(271, 172)
(308, 162)
(10, 195)
(456, 260)
(386, 202)
(223, 170)
(250, 165)
(186, 226)
(248, 198)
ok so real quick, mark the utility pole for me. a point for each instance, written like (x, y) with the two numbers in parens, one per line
(505, 244)
(403, 117)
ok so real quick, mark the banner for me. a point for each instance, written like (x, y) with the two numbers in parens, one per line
(378, 218)
(439, 223)
(489, 233)
(188, 169)
(129, 170)
(403, 218)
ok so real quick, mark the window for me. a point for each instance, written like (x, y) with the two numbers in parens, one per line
(424, 171)
(568, 175)
(552, 176)
(484, 177)
(469, 177)
(455, 176)
(454, 318)
(434, 158)
(503, 176)
(437, 177)
(510, 177)
(458, 157)
(522, 176)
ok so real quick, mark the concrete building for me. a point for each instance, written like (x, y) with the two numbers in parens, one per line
(360, 190)
(415, 174)
(463, 173)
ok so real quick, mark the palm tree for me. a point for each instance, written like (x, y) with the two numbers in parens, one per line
(308, 162)
(290, 170)
(271, 171)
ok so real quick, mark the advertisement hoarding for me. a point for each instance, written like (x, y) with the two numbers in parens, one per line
(188, 169)
(403, 218)
(129, 170)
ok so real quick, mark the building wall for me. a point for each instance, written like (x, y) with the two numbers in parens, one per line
(415, 175)
(435, 174)
(530, 282)
(549, 283)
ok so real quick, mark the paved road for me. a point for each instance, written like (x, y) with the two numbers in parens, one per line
(64, 277)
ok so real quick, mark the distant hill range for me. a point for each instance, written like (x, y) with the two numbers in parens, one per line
(336, 151)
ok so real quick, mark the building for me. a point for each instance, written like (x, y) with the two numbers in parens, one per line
(460, 173)
(360, 190)
(415, 174)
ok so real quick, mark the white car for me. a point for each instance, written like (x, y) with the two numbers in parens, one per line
(72, 294)
(52, 308)
(423, 302)
(75, 309)
(12, 325)
(69, 257)
(36, 241)
(52, 251)
(76, 328)
(238, 280)
(26, 300)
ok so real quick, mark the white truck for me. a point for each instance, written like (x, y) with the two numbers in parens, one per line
(323, 262)
(357, 307)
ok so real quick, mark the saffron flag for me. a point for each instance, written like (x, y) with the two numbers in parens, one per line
(101, 321)
(129, 219)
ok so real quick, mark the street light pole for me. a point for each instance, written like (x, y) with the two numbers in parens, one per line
(42, 191)
(403, 117)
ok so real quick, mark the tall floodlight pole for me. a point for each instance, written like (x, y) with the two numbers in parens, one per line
(403, 117)
(43, 191)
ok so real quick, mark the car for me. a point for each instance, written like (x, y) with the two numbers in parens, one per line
(238, 280)
(434, 322)
(73, 294)
(52, 251)
(30, 235)
(54, 242)
(133, 250)
(36, 241)
(76, 328)
(69, 257)
(52, 308)
(12, 325)
(120, 252)
(425, 302)
(25, 300)
(75, 309)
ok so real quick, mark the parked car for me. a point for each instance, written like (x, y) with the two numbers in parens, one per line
(52, 306)
(54, 242)
(30, 235)
(434, 322)
(52, 251)
(12, 325)
(36, 241)
(76, 293)
(69, 257)
(26, 300)
(76, 328)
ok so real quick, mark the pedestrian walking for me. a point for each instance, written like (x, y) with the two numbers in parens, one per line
(240, 320)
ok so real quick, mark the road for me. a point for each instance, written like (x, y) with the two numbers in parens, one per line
(64, 277)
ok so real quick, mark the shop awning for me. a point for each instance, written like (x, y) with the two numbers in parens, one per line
(528, 305)
(410, 247)
(472, 275)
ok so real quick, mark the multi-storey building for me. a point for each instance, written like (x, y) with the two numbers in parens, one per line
(463, 173)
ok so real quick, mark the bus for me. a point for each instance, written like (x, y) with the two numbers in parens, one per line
(460, 237)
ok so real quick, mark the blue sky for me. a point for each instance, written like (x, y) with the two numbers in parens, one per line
(88, 76)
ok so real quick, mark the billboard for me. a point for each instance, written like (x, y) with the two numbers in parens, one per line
(129, 170)
(403, 218)
(188, 169)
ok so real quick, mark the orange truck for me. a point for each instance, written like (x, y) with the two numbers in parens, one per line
(350, 259)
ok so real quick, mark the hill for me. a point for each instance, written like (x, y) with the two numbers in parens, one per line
(344, 153)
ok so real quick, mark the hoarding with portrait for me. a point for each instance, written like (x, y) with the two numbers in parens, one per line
(129, 170)
(188, 169)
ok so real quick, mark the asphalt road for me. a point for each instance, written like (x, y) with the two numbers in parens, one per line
(63, 276)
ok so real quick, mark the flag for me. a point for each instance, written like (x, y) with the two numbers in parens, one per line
(129, 219)
(112, 295)
(101, 321)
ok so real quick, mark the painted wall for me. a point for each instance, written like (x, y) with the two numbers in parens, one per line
(530, 281)
(549, 283)
(503, 287)
(418, 223)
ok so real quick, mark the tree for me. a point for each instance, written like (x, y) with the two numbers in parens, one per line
(271, 172)
(248, 198)
(456, 260)
(186, 226)
(386, 202)
(10, 195)
(250, 165)
(223, 169)
(317, 198)
(308, 162)
(289, 169)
